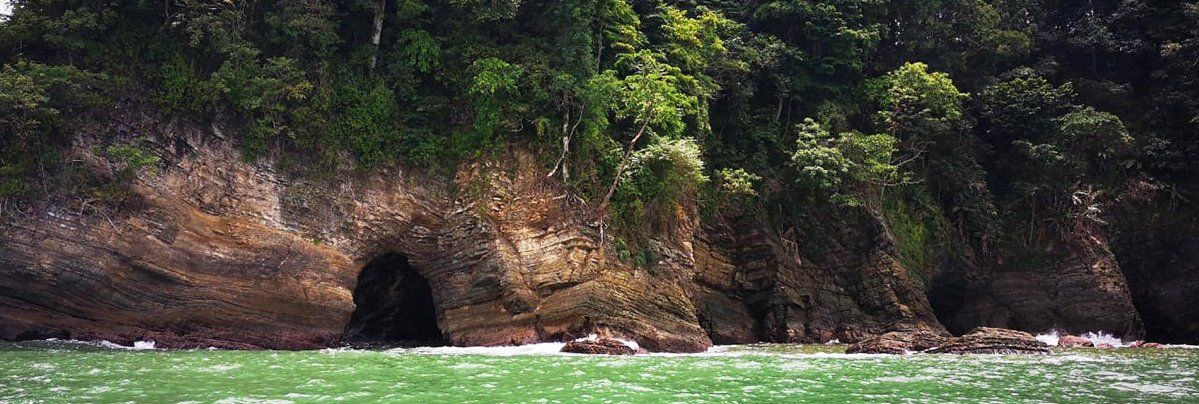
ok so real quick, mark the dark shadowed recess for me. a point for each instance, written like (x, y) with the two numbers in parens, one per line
(394, 306)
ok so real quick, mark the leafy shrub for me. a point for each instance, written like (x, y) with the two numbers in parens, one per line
(847, 167)
(32, 99)
(182, 90)
(268, 93)
(365, 123)
(128, 161)
(493, 88)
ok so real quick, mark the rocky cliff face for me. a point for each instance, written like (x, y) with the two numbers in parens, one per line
(1157, 243)
(753, 285)
(216, 251)
(1072, 285)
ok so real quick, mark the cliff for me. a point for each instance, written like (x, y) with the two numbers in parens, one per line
(217, 251)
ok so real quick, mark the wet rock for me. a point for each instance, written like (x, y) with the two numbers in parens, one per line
(1073, 341)
(599, 346)
(898, 342)
(986, 340)
(1104, 346)
(1143, 344)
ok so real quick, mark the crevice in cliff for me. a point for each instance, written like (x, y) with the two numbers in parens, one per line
(394, 305)
(947, 295)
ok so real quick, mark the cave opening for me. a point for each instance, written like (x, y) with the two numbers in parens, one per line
(393, 306)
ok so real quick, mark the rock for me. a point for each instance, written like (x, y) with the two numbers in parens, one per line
(1159, 255)
(898, 342)
(218, 251)
(1104, 346)
(986, 340)
(1143, 344)
(1081, 288)
(834, 279)
(1071, 341)
(598, 346)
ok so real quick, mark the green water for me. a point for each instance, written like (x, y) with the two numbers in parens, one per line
(58, 372)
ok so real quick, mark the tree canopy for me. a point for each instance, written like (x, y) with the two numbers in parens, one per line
(998, 111)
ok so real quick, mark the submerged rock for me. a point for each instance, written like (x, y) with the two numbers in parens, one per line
(986, 340)
(898, 342)
(599, 346)
(1072, 341)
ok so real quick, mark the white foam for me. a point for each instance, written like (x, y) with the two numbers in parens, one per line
(1051, 338)
(143, 344)
(546, 348)
(137, 345)
(1104, 338)
(629, 343)
(1099, 337)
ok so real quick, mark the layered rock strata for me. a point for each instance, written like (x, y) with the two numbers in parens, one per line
(988, 340)
(217, 251)
(1073, 285)
(213, 250)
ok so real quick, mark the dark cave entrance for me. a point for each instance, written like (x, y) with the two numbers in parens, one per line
(394, 306)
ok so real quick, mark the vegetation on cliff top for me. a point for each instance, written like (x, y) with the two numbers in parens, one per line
(1006, 118)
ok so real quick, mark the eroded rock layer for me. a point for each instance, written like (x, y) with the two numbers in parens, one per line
(217, 251)
(1075, 286)
(753, 285)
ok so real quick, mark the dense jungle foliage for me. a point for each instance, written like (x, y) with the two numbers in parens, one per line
(989, 122)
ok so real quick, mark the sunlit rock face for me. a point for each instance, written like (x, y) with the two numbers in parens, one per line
(217, 251)
(214, 250)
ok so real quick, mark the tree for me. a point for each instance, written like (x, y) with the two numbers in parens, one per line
(653, 98)
(925, 112)
(850, 168)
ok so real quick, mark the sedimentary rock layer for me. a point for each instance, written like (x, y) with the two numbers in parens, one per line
(217, 251)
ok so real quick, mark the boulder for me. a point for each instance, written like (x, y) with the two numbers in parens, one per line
(1143, 344)
(599, 346)
(1073, 341)
(986, 340)
(1104, 346)
(897, 342)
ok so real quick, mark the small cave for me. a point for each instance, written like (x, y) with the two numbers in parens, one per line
(393, 306)
(947, 296)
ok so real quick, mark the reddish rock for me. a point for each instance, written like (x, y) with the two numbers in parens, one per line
(986, 340)
(1104, 346)
(1073, 341)
(897, 343)
(1143, 344)
(217, 251)
(599, 346)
